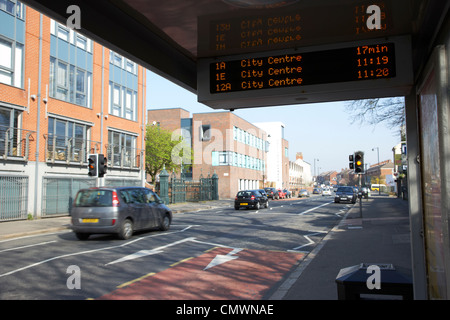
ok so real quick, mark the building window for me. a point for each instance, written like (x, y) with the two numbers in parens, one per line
(122, 149)
(70, 36)
(11, 63)
(122, 62)
(205, 132)
(9, 123)
(69, 83)
(67, 140)
(123, 101)
(12, 7)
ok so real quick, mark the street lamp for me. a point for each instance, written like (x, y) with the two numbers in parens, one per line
(315, 168)
(379, 176)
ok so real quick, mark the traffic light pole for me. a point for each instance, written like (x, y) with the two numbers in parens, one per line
(360, 197)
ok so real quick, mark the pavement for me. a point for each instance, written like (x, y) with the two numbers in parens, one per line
(379, 235)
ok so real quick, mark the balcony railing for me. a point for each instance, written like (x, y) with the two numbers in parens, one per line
(69, 149)
(15, 143)
(123, 157)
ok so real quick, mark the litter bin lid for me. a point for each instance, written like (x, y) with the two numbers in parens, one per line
(358, 274)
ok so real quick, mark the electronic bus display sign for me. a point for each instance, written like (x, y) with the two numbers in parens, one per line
(357, 63)
(345, 71)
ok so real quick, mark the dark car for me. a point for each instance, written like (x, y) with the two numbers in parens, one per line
(272, 193)
(250, 199)
(317, 191)
(120, 211)
(263, 192)
(345, 194)
(287, 193)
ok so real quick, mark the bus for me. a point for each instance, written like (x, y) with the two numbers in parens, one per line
(376, 187)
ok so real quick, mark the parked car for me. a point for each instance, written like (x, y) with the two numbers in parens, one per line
(120, 211)
(250, 199)
(326, 192)
(303, 193)
(288, 193)
(263, 192)
(345, 194)
(272, 193)
(282, 194)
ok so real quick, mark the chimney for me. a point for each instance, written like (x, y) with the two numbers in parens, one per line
(299, 155)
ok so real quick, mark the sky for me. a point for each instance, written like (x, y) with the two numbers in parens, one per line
(321, 131)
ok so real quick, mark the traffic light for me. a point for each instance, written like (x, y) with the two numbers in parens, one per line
(351, 163)
(102, 167)
(359, 162)
(93, 165)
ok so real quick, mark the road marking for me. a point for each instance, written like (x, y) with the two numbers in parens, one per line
(181, 261)
(144, 253)
(135, 280)
(322, 205)
(307, 237)
(89, 251)
(220, 258)
(30, 245)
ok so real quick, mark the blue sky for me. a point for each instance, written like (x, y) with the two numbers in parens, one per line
(320, 131)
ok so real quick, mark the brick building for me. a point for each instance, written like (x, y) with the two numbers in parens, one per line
(62, 96)
(277, 155)
(223, 143)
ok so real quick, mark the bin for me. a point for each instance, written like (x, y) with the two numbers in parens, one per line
(352, 283)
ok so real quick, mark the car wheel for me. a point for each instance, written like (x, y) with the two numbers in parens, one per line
(165, 223)
(126, 230)
(267, 203)
(82, 236)
(257, 205)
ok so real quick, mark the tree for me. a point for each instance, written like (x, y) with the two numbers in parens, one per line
(164, 148)
(390, 111)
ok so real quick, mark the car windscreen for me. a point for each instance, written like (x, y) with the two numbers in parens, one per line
(94, 198)
(345, 189)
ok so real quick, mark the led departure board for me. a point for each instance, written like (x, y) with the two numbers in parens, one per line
(356, 63)
(372, 68)
(302, 24)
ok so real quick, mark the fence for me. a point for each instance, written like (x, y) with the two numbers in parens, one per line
(13, 198)
(59, 193)
(175, 190)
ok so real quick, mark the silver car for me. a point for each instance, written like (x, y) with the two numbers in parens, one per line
(120, 211)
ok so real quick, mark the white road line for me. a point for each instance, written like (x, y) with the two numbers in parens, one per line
(143, 253)
(30, 245)
(307, 237)
(87, 252)
(322, 205)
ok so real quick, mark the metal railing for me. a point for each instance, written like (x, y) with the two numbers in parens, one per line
(123, 157)
(69, 149)
(15, 143)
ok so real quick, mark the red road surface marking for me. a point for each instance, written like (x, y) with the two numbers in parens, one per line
(248, 277)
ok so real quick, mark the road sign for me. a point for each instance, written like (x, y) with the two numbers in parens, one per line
(362, 69)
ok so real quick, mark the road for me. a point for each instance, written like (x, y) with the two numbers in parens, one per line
(211, 254)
